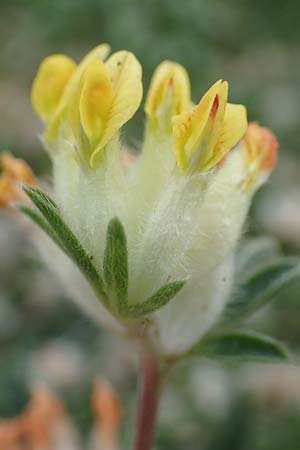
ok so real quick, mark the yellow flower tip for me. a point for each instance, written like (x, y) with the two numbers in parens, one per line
(204, 135)
(95, 99)
(260, 146)
(125, 75)
(101, 52)
(106, 97)
(49, 84)
(189, 127)
(169, 93)
(13, 172)
(67, 98)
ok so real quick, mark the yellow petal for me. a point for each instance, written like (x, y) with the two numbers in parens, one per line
(95, 100)
(168, 94)
(49, 84)
(98, 53)
(193, 130)
(211, 133)
(233, 128)
(125, 74)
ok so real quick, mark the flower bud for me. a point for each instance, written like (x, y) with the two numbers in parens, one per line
(260, 150)
(168, 95)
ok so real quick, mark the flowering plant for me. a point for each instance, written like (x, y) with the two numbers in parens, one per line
(154, 235)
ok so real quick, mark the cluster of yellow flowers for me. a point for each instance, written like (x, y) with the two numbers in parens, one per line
(182, 201)
(87, 105)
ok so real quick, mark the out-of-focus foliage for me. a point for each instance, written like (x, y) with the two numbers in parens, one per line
(255, 46)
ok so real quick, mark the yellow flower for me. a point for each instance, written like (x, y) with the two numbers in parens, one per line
(260, 150)
(168, 95)
(56, 81)
(204, 135)
(95, 99)
(87, 105)
(109, 96)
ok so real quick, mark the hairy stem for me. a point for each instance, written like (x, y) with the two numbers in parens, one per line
(148, 400)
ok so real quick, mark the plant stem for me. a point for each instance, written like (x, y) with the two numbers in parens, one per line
(148, 400)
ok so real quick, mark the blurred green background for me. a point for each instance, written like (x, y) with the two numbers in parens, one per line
(255, 45)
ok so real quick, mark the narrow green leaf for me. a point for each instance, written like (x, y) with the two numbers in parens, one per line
(242, 346)
(115, 263)
(261, 287)
(62, 234)
(157, 300)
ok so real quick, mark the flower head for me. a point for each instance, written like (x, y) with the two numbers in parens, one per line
(155, 239)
